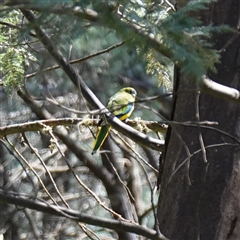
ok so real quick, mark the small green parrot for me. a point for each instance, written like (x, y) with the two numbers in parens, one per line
(121, 105)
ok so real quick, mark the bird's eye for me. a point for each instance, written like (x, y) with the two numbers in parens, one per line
(131, 91)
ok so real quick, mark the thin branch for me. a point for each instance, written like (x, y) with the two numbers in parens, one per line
(79, 60)
(8, 24)
(36, 126)
(39, 125)
(131, 152)
(124, 185)
(187, 152)
(11, 25)
(196, 152)
(72, 110)
(23, 168)
(148, 181)
(46, 169)
(16, 199)
(171, 6)
(235, 139)
(30, 167)
(199, 129)
(138, 155)
(80, 181)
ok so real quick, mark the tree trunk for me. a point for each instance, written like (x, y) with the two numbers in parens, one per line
(208, 208)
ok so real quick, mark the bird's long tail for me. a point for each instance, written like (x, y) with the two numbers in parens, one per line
(100, 138)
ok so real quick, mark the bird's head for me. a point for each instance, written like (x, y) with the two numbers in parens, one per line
(129, 90)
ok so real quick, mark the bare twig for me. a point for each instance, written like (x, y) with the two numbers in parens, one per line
(80, 181)
(30, 167)
(171, 5)
(188, 155)
(138, 155)
(46, 169)
(79, 60)
(200, 134)
(196, 152)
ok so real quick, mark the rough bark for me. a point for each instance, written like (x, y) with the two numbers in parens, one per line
(208, 208)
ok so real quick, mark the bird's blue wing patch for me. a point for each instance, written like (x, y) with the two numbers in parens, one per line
(127, 110)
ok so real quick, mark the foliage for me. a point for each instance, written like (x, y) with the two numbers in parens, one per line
(154, 67)
(187, 39)
(14, 56)
(182, 35)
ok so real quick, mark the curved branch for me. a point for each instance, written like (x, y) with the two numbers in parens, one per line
(208, 86)
(137, 137)
(41, 125)
(14, 198)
